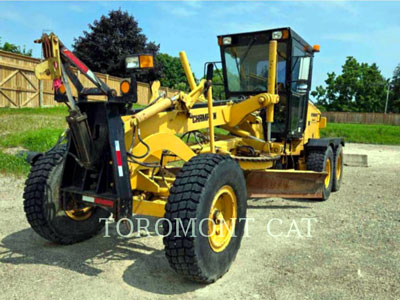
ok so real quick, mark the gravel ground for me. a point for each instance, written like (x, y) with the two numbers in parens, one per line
(351, 251)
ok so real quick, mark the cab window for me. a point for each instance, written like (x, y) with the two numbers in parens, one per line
(247, 66)
(300, 71)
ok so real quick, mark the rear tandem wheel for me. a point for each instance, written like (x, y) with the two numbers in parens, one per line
(337, 179)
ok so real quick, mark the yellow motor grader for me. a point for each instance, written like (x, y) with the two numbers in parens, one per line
(190, 159)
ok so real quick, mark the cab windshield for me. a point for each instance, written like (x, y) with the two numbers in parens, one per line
(247, 67)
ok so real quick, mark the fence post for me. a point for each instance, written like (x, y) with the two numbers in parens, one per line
(40, 93)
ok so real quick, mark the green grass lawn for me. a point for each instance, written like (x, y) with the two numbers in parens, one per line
(362, 133)
(37, 129)
(34, 129)
(57, 111)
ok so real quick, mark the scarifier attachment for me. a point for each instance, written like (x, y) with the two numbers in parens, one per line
(285, 184)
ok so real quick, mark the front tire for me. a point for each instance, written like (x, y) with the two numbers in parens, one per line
(42, 204)
(210, 189)
(321, 161)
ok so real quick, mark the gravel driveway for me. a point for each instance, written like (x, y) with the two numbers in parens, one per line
(346, 247)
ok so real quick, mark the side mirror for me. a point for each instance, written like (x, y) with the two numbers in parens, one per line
(210, 71)
(302, 87)
(304, 68)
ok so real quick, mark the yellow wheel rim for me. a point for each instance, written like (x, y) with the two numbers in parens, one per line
(339, 166)
(222, 218)
(81, 214)
(328, 169)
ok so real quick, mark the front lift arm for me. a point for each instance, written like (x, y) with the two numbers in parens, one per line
(176, 116)
(232, 113)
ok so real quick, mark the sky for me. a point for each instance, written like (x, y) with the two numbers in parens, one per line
(367, 30)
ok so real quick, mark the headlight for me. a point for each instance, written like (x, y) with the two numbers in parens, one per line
(132, 62)
(227, 40)
(280, 35)
(142, 61)
(277, 35)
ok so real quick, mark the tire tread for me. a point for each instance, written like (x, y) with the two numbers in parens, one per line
(34, 194)
(183, 204)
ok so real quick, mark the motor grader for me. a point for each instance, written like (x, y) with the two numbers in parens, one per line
(190, 159)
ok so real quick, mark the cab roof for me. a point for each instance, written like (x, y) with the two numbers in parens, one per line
(292, 34)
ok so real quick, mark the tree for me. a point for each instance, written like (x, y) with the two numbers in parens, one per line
(361, 88)
(218, 85)
(104, 47)
(394, 100)
(172, 73)
(218, 90)
(15, 49)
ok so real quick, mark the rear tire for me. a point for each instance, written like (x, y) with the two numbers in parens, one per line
(42, 204)
(320, 161)
(205, 182)
(338, 174)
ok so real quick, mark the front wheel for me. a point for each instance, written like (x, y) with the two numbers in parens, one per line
(42, 204)
(322, 161)
(205, 217)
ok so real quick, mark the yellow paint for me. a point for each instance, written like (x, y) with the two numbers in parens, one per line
(339, 166)
(155, 208)
(188, 71)
(210, 119)
(322, 123)
(313, 122)
(328, 169)
(143, 182)
(80, 214)
(194, 95)
(180, 122)
(50, 68)
(155, 87)
(160, 124)
(302, 163)
(222, 218)
(151, 110)
(255, 165)
(157, 143)
(253, 125)
(273, 47)
(239, 111)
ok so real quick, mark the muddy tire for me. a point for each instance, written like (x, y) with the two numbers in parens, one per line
(42, 204)
(319, 161)
(210, 190)
(338, 174)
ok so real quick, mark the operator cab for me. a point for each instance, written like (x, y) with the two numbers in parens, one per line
(245, 70)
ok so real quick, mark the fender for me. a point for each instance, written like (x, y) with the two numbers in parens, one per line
(323, 143)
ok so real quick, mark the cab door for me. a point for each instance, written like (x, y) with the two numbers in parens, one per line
(300, 84)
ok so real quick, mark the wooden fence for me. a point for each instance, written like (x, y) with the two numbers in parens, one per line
(362, 118)
(20, 88)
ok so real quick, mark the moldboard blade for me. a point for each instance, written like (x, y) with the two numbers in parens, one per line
(285, 184)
